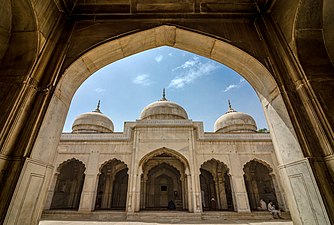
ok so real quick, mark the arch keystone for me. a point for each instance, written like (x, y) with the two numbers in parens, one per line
(165, 35)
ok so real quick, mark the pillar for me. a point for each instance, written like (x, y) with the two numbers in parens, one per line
(89, 190)
(239, 190)
(51, 191)
(240, 193)
(302, 193)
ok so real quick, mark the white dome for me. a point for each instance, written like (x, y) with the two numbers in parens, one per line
(163, 110)
(92, 122)
(235, 122)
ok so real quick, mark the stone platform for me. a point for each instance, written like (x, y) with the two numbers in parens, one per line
(160, 217)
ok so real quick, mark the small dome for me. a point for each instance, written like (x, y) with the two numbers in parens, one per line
(92, 122)
(235, 122)
(163, 110)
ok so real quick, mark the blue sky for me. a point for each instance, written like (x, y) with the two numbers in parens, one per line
(200, 85)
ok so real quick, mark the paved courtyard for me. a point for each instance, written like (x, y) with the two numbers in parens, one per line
(226, 222)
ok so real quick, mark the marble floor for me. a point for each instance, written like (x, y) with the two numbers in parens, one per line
(160, 218)
(226, 222)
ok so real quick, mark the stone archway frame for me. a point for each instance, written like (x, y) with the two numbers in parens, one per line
(218, 161)
(167, 151)
(295, 170)
(263, 162)
(186, 174)
(55, 178)
(100, 167)
(279, 194)
(218, 200)
(109, 161)
(69, 161)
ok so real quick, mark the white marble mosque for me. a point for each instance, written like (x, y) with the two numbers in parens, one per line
(164, 156)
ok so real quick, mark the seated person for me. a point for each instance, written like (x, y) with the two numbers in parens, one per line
(171, 205)
(263, 205)
(274, 212)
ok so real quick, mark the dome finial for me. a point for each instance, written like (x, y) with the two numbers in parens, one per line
(164, 95)
(230, 109)
(98, 107)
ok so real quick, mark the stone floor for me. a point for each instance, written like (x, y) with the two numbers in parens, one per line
(160, 218)
(226, 222)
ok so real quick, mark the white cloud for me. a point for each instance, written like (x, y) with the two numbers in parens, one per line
(231, 86)
(238, 85)
(100, 90)
(188, 64)
(142, 79)
(170, 54)
(190, 71)
(158, 58)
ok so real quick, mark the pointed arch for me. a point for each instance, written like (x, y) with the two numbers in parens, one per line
(246, 65)
(163, 179)
(166, 151)
(259, 183)
(70, 179)
(112, 185)
(215, 182)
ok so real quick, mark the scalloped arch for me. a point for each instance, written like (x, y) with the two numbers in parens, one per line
(69, 161)
(216, 160)
(111, 160)
(262, 162)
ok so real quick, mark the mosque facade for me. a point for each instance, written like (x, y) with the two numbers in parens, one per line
(164, 157)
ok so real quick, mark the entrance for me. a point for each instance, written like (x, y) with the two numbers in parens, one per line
(69, 185)
(259, 184)
(163, 183)
(216, 188)
(113, 185)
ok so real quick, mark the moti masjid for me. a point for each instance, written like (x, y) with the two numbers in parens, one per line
(284, 49)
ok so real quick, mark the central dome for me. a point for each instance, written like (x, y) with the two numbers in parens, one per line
(163, 110)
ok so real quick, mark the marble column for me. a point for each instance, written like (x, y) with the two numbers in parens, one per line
(89, 190)
(238, 185)
(240, 193)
